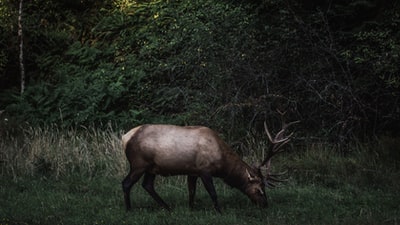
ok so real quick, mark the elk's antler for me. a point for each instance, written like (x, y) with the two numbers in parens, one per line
(277, 143)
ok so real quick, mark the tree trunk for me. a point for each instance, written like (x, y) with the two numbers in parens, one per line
(21, 48)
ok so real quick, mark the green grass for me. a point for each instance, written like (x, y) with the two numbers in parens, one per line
(78, 200)
(50, 176)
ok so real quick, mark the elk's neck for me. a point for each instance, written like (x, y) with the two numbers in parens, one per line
(235, 174)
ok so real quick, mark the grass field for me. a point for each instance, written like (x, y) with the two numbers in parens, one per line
(55, 177)
(99, 201)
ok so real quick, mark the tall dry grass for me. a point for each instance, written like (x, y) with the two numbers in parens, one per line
(375, 164)
(50, 151)
(90, 152)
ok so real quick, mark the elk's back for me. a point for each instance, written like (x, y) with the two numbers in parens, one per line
(170, 150)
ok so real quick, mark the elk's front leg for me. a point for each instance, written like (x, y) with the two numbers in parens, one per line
(209, 185)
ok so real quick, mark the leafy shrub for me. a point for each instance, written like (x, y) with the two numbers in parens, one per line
(150, 62)
(228, 65)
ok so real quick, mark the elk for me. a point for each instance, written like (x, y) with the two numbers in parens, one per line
(197, 152)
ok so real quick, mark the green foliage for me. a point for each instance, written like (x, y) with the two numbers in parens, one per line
(335, 63)
(3, 58)
(5, 18)
(150, 62)
(228, 65)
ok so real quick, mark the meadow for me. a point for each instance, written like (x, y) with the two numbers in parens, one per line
(52, 176)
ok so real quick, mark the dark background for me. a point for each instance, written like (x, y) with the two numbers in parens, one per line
(229, 65)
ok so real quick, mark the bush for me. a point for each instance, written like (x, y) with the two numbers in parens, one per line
(154, 62)
(228, 65)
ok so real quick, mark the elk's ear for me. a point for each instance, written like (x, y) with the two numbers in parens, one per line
(250, 177)
(256, 165)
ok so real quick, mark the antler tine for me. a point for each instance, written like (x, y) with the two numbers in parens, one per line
(274, 179)
(270, 184)
(285, 126)
(267, 131)
(277, 138)
(281, 113)
(274, 182)
(277, 143)
(291, 123)
(279, 174)
(278, 148)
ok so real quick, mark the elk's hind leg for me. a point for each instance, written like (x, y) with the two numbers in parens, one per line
(148, 185)
(191, 180)
(128, 182)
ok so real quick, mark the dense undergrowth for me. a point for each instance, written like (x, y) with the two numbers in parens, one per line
(225, 64)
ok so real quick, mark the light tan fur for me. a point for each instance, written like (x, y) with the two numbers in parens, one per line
(194, 151)
(176, 150)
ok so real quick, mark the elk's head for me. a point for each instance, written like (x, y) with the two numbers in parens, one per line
(255, 188)
(258, 180)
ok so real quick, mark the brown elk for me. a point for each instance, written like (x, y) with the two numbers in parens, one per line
(194, 151)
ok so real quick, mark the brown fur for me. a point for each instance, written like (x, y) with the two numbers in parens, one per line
(194, 151)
